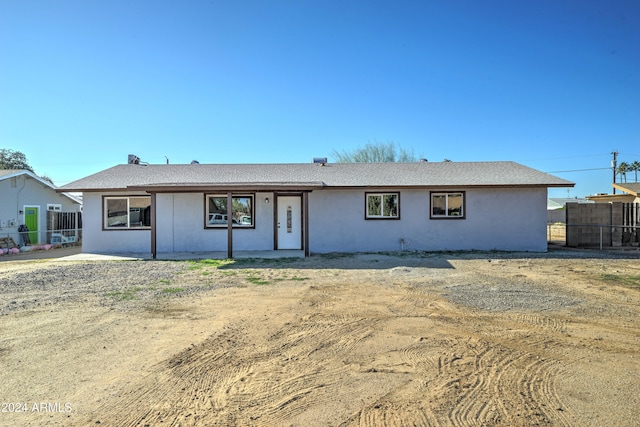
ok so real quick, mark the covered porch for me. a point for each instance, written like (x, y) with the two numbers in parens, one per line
(297, 219)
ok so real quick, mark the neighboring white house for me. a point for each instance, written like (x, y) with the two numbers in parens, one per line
(556, 208)
(25, 199)
(315, 207)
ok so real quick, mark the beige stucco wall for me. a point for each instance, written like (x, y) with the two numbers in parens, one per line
(510, 219)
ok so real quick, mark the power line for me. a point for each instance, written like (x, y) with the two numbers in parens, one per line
(581, 170)
(567, 157)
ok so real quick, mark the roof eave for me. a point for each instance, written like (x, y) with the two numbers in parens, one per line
(88, 190)
(309, 186)
(225, 187)
(625, 189)
(449, 186)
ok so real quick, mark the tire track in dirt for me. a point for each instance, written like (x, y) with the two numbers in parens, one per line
(291, 372)
(539, 321)
(235, 376)
(480, 391)
(178, 390)
(357, 347)
(510, 365)
(305, 379)
(337, 333)
(389, 414)
(474, 375)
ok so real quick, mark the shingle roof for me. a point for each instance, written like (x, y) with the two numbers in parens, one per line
(296, 175)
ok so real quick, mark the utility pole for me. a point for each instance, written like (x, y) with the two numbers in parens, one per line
(614, 166)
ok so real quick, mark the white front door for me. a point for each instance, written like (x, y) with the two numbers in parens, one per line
(289, 222)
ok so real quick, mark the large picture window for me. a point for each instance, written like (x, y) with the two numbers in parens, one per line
(217, 212)
(127, 212)
(448, 205)
(382, 206)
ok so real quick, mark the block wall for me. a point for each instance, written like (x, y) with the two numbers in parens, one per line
(584, 221)
(593, 223)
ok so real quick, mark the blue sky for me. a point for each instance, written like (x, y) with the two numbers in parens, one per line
(554, 85)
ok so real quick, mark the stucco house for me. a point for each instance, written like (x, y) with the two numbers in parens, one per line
(315, 207)
(25, 199)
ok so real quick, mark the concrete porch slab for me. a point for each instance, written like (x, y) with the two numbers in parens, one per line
(178, 256)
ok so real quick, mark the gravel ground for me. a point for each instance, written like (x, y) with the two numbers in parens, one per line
(510, 296)
(342, 339)
(68, 282)
(39, 284)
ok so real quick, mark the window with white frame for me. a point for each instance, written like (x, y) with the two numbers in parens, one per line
(130, 212)
(448, 205)
(217, 212)
(382, 205)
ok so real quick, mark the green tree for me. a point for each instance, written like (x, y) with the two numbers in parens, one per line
(623, 168)
(47, 178)
(11, 159)
(375, 153)
(635, 167)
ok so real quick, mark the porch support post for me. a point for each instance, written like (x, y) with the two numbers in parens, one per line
(305, 222)
(229, 226)
(153, 226)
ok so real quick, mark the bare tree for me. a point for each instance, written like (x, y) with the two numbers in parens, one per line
(375, 153)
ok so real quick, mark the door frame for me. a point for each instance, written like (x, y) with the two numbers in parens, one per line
(38, 222)
(304, 219)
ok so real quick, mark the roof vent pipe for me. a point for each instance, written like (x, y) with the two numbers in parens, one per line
(195, 162)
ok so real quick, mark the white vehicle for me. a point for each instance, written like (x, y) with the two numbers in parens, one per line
(220, 219)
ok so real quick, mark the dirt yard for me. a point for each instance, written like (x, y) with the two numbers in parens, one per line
(447, 339)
